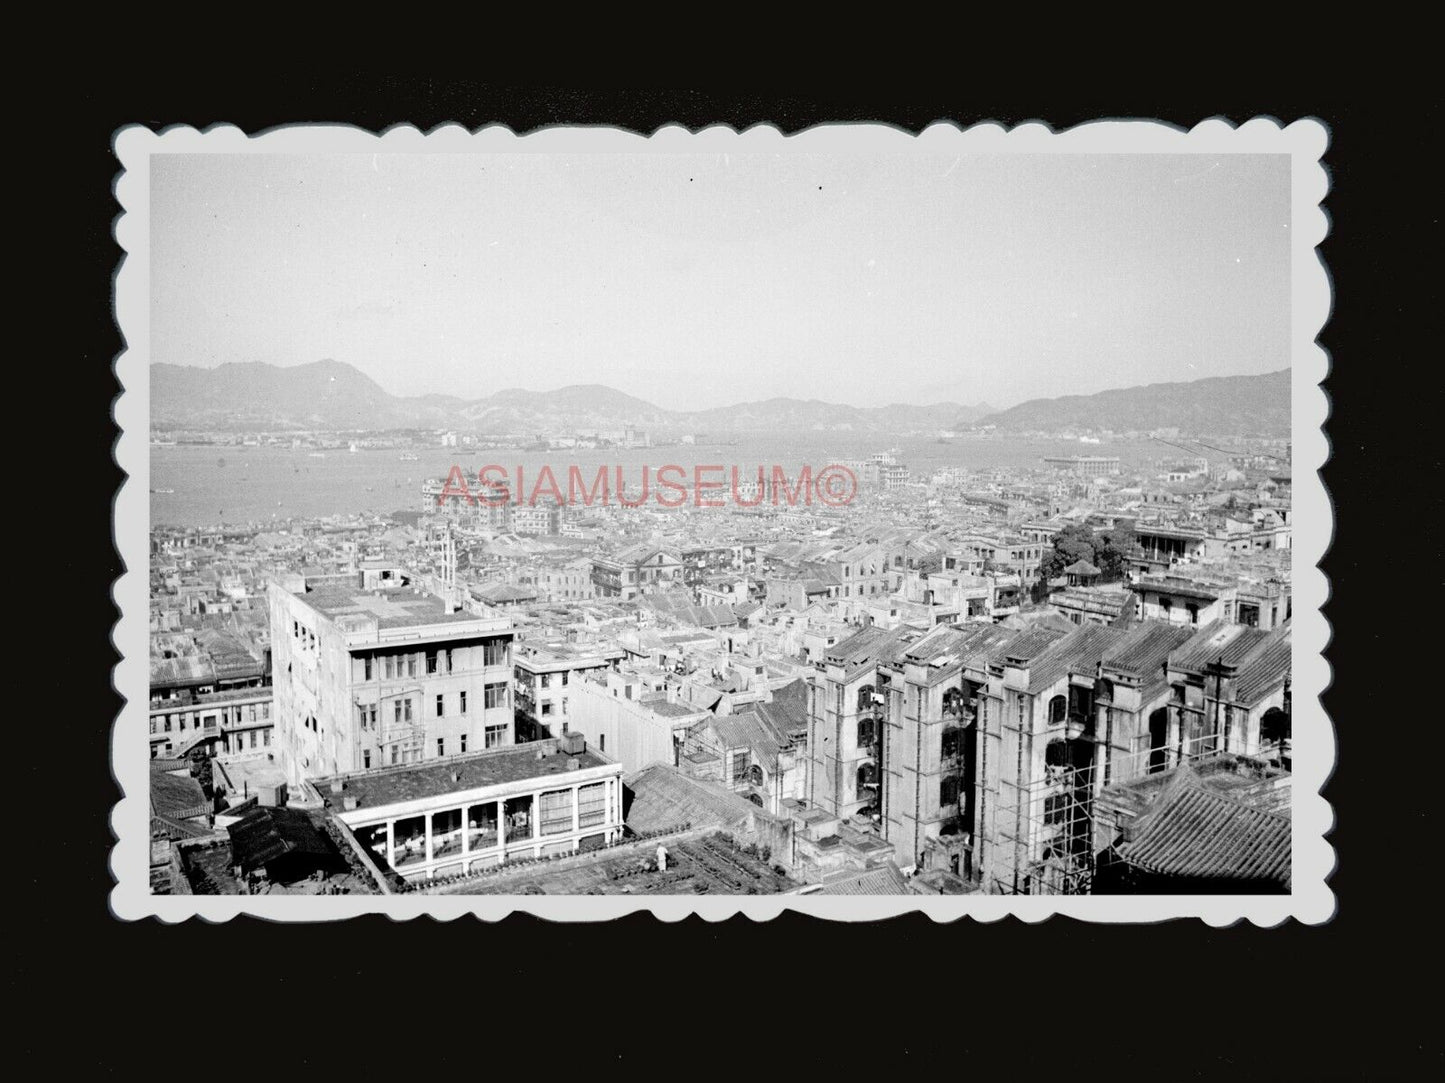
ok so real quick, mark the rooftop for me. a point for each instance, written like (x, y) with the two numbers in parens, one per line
(404, 608)
(384, 786)
(1195, 832)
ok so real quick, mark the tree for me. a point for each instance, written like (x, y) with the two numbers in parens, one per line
(1114, 548)
(1071, 544)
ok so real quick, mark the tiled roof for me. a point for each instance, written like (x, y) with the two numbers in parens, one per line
(663, 797)
(1214, 642)
(1193, 832)
(262, 836)
(1144, 650)
(1146, 647)
(1077, 652)
(1032, 641)
(884, 880)
(1265, 668)
(177, 796)
(867, 647)
(747, 729)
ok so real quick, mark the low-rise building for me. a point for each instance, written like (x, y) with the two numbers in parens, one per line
(464, 813)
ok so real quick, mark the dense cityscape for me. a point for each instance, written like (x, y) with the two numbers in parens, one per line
(1070, 675)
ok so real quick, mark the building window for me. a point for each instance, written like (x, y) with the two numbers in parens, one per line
(431, 662)
(948, 791)
(545, 681)
(410, 666)
(463, 702)
(495, 736)
(740, 766)
(546, 708)
(366, 759)
(592, 804)
(602, 742)
(441, 706)
(556, 812)
(441, 746)
(494, 695)
(406, 709)
(564, 678)
(394, 751)
(494, 652)
(464, 742)
(366, 667)
(396, 710)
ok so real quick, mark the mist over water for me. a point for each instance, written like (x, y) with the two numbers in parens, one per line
(234, 485)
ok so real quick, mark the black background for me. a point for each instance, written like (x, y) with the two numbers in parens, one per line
(1061, 999)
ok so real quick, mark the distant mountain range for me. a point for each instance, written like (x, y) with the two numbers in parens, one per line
(332, 395)
(1218, 405)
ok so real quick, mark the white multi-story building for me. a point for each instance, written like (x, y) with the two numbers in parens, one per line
(372, 678)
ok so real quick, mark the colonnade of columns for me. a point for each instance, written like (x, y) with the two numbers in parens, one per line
(470, 817)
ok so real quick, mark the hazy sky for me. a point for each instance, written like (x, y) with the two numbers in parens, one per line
(701, 281)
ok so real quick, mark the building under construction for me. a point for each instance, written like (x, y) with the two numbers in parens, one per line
(1026, 759)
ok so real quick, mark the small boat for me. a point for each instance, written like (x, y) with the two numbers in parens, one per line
(166, 491)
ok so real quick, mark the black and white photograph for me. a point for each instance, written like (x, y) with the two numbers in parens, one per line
(852, 522)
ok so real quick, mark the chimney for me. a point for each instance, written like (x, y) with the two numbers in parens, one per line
(456, 776)
(574, 764)
(337, 785)
(349, 802)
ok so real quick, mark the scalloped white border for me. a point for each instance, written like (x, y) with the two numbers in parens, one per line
(1305, 141)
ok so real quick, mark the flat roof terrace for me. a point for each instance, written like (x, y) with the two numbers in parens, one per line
(383, 786)
(403, 608)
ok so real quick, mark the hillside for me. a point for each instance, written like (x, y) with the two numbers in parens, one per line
(331, 395)
(1218, 405)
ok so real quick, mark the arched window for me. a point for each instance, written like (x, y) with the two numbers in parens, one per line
(865, 697)
(1274, 727)
(1104, 691)
(952, 742)
(953, 701)
(1058, 709)
(755, 775)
